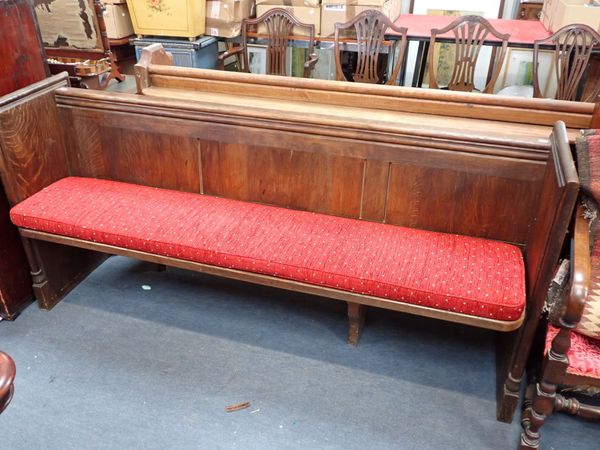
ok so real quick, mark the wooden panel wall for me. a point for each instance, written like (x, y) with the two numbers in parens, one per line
(428, 188)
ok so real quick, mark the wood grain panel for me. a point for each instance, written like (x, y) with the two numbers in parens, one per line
(455, 201)
(375, 185)
(33, 149)
(312, 181)
(141, 158)
(138, 157)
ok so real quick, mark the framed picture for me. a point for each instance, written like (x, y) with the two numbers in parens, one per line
(487, 8)
(445, 52)
(257, 58)
(517, 70)
(69, 24)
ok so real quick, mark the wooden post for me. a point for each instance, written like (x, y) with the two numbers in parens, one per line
(596, 115)
(356, 317)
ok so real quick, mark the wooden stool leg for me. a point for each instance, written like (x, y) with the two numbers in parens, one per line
(576, 408)
(356, 317)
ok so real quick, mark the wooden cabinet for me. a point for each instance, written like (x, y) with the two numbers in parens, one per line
(530, 10)
(22, 61)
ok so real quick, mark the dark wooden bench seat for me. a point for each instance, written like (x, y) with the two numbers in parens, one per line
(480, 280)
(448, 165)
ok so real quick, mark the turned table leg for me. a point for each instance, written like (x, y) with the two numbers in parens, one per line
(356, 318)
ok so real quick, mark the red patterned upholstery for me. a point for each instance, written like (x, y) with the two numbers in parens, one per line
(584, 354)
(468, 275)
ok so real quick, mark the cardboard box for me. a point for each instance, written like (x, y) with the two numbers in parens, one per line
(118, 22)
(180, 18)
(224, 17)
(304, 14)
(559, 13)
(280, 3)
(334, 11)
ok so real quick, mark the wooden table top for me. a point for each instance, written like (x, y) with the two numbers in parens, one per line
(522, 32)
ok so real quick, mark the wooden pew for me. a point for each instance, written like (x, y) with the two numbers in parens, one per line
(479, 177)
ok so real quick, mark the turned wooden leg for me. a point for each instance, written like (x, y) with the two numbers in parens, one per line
(545, 396)
(356, 318)
(40, 286)
(576, 408)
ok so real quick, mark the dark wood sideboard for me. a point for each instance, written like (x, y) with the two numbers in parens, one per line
(22, 63)
(22, 60)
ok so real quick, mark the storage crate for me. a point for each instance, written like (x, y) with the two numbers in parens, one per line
(181, 18)
(201, 53)
(559, 13)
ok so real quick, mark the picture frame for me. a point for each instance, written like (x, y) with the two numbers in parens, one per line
(257, 58)
(517, 70)
(69, 25)
(490, 8)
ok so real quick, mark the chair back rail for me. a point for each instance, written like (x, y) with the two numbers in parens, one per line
(573, 46)
(470, 32)
(370, 27)
(279, 25)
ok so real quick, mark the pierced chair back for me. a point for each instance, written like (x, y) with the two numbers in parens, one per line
(470, 33)
(573, 47)
(370, 27)
(278, 25)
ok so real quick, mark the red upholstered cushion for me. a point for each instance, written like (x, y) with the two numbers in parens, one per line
(444, 271)
(584, 354)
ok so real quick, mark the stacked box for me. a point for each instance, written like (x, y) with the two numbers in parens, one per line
(201, 53)
(180, 18)
(224, 17)
(334, 11)
(559, 13)
(305, 11)
(117, 20)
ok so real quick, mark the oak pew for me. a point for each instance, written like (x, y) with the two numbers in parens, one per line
(422, 108)
(355, 162)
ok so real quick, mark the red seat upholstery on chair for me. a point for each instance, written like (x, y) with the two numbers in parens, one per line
(584, 354)
(473, 276)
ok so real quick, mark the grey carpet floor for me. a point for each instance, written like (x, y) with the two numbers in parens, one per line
(115, 366)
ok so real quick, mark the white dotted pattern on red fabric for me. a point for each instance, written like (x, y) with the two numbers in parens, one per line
(473, 276)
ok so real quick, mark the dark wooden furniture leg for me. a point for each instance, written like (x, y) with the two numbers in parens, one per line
(7, 378)
(356, 317)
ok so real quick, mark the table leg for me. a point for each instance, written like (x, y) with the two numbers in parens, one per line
(420, 63)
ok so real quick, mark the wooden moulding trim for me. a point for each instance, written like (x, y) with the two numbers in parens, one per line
(387, 103)
(320, 124)
(491, 324)
(572, 379)
(36, 89)
(373, 89)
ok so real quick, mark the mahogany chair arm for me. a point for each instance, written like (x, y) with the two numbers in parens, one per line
(7, 378)
(580, 271)
(310, 64)
(227, 53)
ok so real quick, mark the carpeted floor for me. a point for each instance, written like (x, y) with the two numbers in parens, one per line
(117, 366)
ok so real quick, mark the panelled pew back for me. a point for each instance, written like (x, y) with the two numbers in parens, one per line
(477, 177)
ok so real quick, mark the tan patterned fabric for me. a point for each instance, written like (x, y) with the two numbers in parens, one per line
(589, 325)
(588, 162)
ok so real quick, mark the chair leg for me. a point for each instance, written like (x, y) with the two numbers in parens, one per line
(576, 408)
(40, 287)
(535, 416)
(356, 318)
